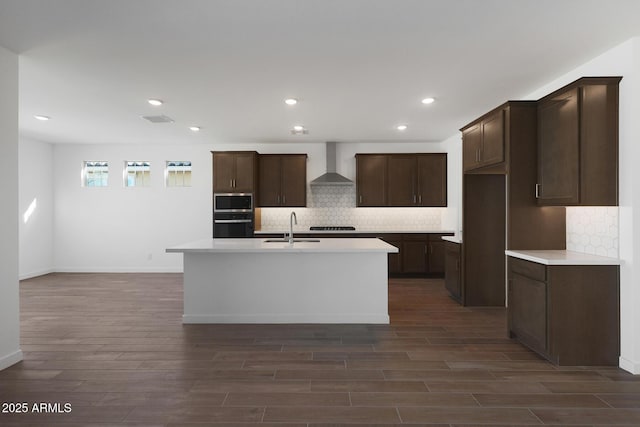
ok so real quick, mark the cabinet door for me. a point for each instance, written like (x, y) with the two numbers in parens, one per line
(245, 165)
(401, 180)
(432, 180)
(452, 270)
(269, 179)
(528, 311)
(395, 260)
(371, 180)
(414, 256)
(558, 145)
(492, 150)
(436, 257)
(471, 143)
(294, 180)
(223, 172)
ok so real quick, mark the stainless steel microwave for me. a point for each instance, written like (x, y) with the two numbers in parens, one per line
(232, 202)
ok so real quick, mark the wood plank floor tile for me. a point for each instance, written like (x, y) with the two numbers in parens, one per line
(486, 387)
(287, 399)
(468, 415)
(568, 416)
(592, 387)
(204, 414)
(114, 346)
(334, 414)
(369, 386)
(622, 400)
(413, 399)
(540, 400)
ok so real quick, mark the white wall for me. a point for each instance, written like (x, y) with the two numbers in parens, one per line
(9, 300)
(35, 208)
(623, 60)
(127, 229)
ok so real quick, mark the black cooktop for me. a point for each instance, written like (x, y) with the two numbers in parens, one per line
(332, 227)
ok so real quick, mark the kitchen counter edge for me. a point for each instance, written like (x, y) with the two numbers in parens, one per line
(259, 245)
(562, 257)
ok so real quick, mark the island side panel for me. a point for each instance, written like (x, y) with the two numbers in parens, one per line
(285, 287)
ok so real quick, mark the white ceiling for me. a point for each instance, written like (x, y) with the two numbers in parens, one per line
(358, 67)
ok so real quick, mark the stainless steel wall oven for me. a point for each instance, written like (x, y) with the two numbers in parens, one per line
(233, 215)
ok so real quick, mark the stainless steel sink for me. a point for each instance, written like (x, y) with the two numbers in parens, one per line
(294, 240)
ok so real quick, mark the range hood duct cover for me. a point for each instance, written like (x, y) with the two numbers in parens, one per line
(331, 177)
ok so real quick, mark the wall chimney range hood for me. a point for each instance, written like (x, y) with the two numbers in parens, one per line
(331, 177)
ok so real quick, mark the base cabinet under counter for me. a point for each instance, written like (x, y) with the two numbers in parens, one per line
(420, 254)
(569, 314)
(453, 270)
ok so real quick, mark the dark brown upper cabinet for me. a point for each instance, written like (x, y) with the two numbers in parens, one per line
(410, 180)
(578, 144)
(483, 142)
(234, 171)
(371, 179)
(282, 180)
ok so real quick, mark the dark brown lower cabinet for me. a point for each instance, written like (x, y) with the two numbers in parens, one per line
(418, 254)
(452, 270)
(395, 262)
(436, 254)
(568, 314)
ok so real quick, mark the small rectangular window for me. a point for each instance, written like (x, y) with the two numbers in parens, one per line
(95, 174)
(137, 174)
(178, 174)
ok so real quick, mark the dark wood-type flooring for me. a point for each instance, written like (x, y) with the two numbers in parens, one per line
(114, 347)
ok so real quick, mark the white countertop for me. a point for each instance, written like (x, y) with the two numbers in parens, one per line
(357, 231)
(562, 257)
(454, 239)
(258, 245)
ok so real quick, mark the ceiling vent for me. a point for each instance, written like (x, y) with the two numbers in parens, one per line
(158, 119)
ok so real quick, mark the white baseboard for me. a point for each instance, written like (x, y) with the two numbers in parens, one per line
(629, 365)
(10, 359)
(119, 270)
(286, 318)
(33, 274)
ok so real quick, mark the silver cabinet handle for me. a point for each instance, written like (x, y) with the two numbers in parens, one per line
(284, 199)
(537, 191)
(278, 199)
(360, 199)
(420, 199)
(231, 221)
(231, 183)
(414, 199)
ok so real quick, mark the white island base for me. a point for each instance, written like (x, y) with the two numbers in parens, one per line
(250, 281)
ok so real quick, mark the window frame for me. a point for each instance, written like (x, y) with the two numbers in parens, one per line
(86, 173)
(145, 182)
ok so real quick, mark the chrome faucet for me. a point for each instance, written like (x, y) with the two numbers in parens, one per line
(292, 218)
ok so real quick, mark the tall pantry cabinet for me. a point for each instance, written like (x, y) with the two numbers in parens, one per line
(500, 210)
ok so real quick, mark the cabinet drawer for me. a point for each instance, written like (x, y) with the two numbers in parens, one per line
(528, 269)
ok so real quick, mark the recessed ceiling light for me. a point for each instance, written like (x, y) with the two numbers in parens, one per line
(194, 128)
(402, 127)
(428, 100)
(43, 118)
(155, 102)
(291, 101)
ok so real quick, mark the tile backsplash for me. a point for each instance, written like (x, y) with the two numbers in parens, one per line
(336, 205)
(593, 230)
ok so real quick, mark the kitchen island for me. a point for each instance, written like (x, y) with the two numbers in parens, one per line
(260, 281)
